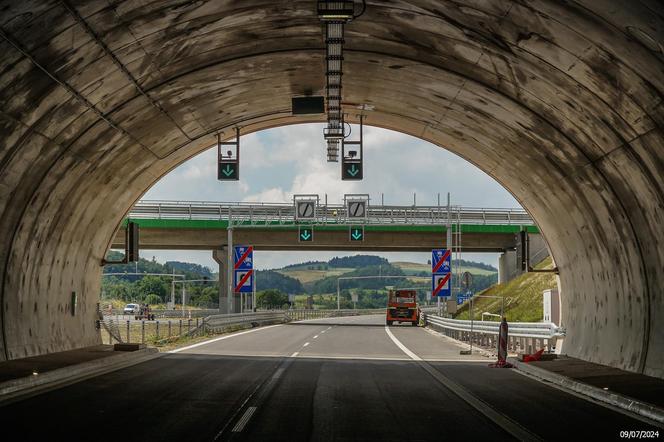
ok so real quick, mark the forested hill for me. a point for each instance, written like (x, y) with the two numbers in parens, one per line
(190, 270)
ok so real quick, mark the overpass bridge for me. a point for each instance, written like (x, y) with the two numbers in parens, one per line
(273, 226)
(195, 225)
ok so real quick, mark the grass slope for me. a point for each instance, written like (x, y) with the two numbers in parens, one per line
(525, 291)
(304, 276)
(410, 268)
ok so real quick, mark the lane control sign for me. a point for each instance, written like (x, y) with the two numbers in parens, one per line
(305, 209)
(305, 234)
(357, 209)
(356, 233)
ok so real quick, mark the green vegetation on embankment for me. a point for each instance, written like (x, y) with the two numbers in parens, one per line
(525, 291)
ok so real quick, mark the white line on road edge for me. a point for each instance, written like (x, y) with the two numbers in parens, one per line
(222, 338)
(507, 424)
(305, 344)
(244, 419)
(316, 337)
(294, 355)
(403, 348)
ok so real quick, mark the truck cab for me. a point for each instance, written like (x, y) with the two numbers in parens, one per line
(402, 307)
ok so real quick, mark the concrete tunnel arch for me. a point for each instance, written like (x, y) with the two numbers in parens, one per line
(560, 102)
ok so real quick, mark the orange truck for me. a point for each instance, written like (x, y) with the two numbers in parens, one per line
(402, 307)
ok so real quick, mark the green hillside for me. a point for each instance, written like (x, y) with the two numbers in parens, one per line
(413, 268)
(305, 275)
(525, 292)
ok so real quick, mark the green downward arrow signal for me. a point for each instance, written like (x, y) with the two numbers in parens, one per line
(228, 170)
(305, 235)
(353, 170)
(356, 234)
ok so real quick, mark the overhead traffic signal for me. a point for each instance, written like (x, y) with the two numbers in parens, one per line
(352, 156)
(228, 155)
(305, 234)
(356, 233)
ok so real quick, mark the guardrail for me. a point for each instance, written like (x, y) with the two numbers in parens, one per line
(523, 336)
(304, 314)
(220, 323)
(165, 313)
(284, 214)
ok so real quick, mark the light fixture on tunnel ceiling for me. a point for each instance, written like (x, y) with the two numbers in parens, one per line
(336, 10)
(335, 14)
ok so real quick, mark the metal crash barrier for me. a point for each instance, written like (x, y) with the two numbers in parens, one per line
(523, 336)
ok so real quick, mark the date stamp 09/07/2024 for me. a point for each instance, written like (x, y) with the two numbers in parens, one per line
(639, 434)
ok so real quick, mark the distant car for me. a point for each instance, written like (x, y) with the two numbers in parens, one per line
(131, 309)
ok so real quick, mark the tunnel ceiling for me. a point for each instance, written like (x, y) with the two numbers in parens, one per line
(561, 102)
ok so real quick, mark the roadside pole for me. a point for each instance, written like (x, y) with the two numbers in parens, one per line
(229, 267)
(253, 291)
(338, 296)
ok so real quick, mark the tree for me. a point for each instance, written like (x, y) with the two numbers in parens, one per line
(153, 299)
(152, 285)
(271, 299)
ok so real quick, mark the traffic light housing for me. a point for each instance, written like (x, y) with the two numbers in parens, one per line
(352, 158)
(305, 234)
(228, 159)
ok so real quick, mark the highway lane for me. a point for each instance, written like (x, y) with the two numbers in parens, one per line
(333, 379)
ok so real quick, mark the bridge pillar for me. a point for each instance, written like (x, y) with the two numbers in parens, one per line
(225, 306)
(537, 249)
(507, 266)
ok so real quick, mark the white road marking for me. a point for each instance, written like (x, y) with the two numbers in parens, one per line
(222, 338)
(277, 374)
(315, 337)
(305, 344)
(294, 355)
(403, 348)
(511, 426)
(244, 419)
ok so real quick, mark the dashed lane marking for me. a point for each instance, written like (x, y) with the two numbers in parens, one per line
(244, 419)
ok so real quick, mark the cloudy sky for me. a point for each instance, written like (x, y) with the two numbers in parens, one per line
(277, 163)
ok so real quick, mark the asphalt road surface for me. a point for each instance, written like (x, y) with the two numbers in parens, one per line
(342, 379)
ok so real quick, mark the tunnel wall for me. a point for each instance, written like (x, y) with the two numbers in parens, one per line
(561, 102)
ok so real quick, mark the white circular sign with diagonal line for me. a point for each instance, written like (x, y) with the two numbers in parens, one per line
(357, 209)
(305, 209)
